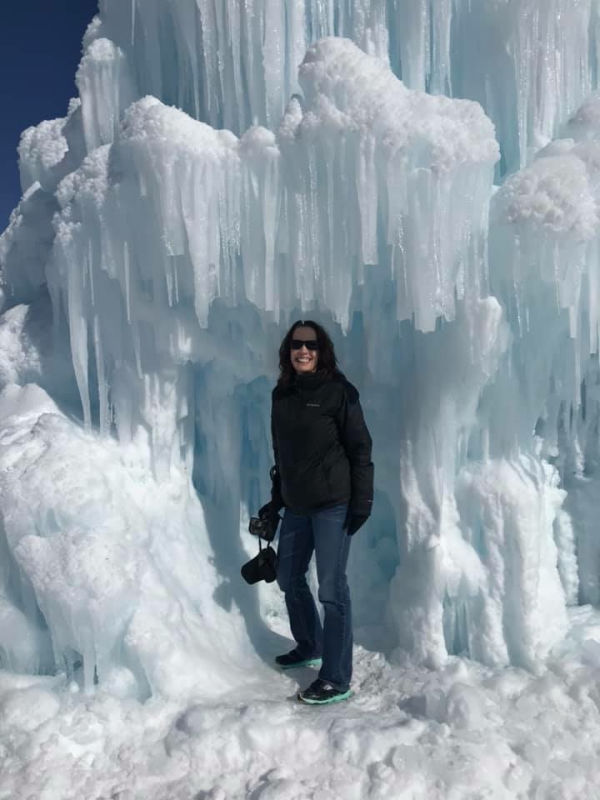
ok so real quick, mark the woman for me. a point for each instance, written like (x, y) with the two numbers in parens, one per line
(323, 475)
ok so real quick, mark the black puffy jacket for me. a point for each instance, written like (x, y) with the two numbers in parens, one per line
(322, 445)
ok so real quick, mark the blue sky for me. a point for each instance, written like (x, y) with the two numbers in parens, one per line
(40, 48)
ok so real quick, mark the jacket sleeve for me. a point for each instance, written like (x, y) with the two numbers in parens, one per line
(356, 441)
(276, 497)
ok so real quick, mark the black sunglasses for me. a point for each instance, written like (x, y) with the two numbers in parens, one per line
(298, 344)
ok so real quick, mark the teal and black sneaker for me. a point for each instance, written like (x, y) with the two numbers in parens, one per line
(321, 692)
(293, 659)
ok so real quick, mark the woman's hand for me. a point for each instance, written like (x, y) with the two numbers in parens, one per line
(276, 498)
(266, 525)
(354, 521)
(268, 510)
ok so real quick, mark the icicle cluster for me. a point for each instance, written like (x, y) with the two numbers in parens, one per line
(235, 64)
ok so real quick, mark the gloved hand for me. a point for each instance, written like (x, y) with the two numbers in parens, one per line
(355, 520)
(269, 520)
(276, 498)
(268, 510)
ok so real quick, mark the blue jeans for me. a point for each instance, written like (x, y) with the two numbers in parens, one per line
(322, 532)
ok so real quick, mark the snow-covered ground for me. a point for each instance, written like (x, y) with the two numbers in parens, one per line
(460, 732)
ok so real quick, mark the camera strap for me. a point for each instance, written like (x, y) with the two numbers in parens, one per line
(260, 545)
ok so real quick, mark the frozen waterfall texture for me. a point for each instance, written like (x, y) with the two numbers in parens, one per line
(159, 253)
(233, 64)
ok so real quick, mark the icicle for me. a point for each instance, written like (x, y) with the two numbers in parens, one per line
(133, 4)
(104, 411)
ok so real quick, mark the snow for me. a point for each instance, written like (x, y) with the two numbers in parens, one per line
(226, 169)
(50, 150)
(26, 243)
(93, 533)
(457, 732)
(43, 145)
(106, 90)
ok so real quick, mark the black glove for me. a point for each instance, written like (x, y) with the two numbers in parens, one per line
(268, 510)
(276, 498)
(354, 521)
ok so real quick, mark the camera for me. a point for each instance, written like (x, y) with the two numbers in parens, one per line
(265, 524)
(263, 527)
(262, 567)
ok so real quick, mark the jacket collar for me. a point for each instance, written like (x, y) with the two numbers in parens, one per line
(311, 380)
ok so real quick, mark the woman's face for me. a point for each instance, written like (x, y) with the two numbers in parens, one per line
(303, 359)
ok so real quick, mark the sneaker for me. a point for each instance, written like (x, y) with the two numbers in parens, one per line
(321, 692)
(292, 660)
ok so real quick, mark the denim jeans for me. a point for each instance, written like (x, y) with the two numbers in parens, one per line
(322, 532)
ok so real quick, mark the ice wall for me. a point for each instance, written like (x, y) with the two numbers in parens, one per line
(529, 64)
(267, 224)
(232, 64)
(171, 247)
(279, 223)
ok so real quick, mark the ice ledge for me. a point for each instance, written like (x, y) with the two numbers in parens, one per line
(347, 90)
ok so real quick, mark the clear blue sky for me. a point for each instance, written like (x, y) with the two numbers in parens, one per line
(40, 48)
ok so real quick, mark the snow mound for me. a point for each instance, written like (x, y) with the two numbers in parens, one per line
(94, 538)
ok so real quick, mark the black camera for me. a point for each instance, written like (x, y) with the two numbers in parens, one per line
(265, 524)
(263, 527)
(262, 567)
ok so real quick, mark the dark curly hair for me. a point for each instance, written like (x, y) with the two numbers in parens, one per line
(327, 364)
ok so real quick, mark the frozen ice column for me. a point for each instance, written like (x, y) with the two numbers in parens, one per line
(545, 267)
(138, 257)
(376, 174)
(529, 63)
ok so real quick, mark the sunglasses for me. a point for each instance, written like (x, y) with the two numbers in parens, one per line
(298, 344)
